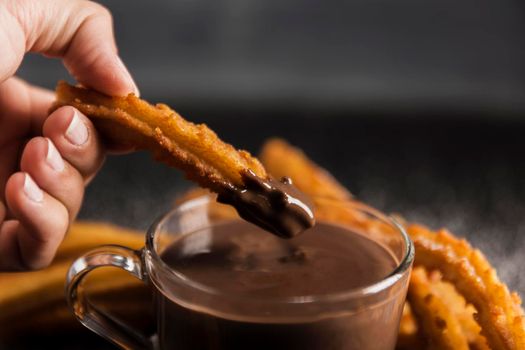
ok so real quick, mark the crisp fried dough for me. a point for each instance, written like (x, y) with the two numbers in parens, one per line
(192, 193)
(437, 320)
(216, 211)
(408, 337)
(130, 121)
(499, 312)
(282, 159)
(463, 311)
(85, 235)
(30, 291)
(239, 179)
(128, 302)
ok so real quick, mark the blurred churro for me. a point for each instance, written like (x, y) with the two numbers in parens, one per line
(37, 292)
(498, 312)
(282, 159)
(459, 306)
(437, 320)
(409, 337)
(84, 235)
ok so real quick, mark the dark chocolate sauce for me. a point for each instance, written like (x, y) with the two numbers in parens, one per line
(239, 258)
(276, 206)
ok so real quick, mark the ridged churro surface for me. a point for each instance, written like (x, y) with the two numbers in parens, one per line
(194, 148)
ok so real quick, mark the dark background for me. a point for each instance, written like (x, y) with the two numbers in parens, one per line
(418, 107)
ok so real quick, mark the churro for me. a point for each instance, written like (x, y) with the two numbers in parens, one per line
(498, 311)
(282, 159)
(437, 320)
(237, 177)
(43, 289)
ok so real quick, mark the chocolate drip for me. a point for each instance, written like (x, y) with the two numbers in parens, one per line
(276, 206)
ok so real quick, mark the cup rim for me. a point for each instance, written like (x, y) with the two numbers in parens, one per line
(395, 275)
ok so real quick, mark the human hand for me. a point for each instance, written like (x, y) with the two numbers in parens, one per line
(46, 161)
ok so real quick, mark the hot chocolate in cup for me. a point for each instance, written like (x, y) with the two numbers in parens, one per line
(222, 283)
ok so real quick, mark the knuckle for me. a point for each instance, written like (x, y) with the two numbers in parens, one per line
(99, 10)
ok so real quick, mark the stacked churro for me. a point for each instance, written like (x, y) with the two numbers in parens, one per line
(34, 302)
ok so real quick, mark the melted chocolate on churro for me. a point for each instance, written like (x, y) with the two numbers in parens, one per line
(276, 206)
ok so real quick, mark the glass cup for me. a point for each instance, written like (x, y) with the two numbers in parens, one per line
(192, 316)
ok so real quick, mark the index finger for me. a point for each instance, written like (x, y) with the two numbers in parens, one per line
(80, 32)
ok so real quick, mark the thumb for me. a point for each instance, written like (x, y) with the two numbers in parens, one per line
(80, 32)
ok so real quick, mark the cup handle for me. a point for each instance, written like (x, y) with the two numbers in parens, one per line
(97, 320)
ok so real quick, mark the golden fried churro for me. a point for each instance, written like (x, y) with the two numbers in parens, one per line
(408, 337)
(32, 289)
(459, 306)
(85, 235)
(133, 122)
(128, 302)
(192, 193)
(238, 178)
(216, 211)
(111, 292)
(441, 328)
(498, 311)
(35, 290)
(282, 159)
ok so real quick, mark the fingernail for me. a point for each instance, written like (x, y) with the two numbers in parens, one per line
(77, 132)
(31, 189)
(53, 158)
(128, 76)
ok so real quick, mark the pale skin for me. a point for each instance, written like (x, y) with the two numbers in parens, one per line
(46, 160)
